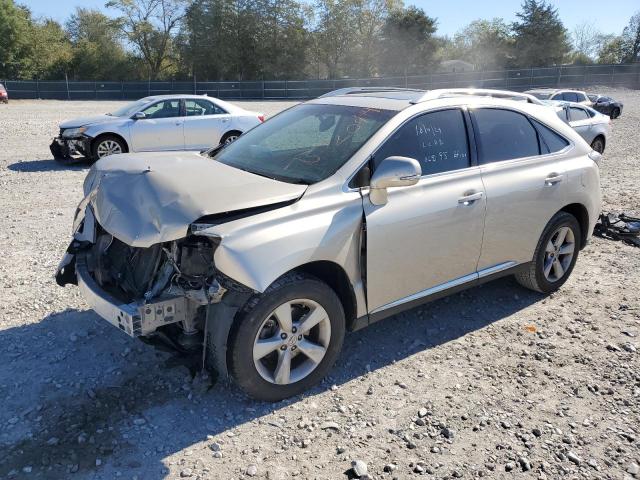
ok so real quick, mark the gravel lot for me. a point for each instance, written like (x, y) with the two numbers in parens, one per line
(496, 381)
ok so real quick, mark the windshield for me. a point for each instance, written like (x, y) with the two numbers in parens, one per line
(304, 144)
(131, 108)
(540, 95)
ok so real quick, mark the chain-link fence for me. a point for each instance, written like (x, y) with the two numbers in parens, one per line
(581, 77)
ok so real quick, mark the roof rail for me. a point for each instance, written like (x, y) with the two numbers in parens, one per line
(478, 92)
(354, 90)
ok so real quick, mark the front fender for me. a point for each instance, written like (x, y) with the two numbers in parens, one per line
(257, 250)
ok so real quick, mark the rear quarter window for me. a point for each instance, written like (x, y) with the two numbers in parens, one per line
(550, 141)
(578, 114)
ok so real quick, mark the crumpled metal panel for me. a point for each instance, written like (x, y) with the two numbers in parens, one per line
(147, 198)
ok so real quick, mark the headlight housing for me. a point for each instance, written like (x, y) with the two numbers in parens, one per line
(74, 132)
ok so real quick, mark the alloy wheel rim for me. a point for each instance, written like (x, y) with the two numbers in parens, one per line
(230, 139)
(292, 341)
(108, 147)
(559, 254)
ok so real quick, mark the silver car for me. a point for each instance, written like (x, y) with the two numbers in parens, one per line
(330, 216)
(158, 123)
(593, 126)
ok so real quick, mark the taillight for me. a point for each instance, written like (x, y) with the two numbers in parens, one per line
(261, 117)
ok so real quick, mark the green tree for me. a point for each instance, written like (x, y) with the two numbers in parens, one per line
(15, 27)
(50, 51)
(487, 44)
(540, 38)
(612, 50)
(231, 39)
(334, 35)
(150, 26)
(97, 50)
(408, 42)
(631, 40)
(369, 20)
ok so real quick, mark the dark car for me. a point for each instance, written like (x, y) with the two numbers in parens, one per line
(606, 105)
(4, 96)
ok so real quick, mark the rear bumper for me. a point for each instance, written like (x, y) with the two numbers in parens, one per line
(136, 318)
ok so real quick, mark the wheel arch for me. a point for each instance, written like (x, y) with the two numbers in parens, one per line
(337, 279)
(580, 212)
(110, 134)
(230, 132)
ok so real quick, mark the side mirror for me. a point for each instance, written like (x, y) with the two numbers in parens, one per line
(393, 172)
(139, 116)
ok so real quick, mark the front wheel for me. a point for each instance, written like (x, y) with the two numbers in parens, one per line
(288, 339)
(230, 137)
(555, 255)
(107, 145)
(615, 113)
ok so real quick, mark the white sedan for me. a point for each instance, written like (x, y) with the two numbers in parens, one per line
(157, 123)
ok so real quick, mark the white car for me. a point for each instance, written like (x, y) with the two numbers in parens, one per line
(567, 95)
(593, 126)
(157, 123)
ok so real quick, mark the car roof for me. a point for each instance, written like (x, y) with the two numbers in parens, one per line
(554, 90)
(391, 98)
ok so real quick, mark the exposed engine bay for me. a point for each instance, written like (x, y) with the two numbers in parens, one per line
(163, 290)
(173, 268)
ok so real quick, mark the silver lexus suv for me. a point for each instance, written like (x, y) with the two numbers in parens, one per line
(328, 217)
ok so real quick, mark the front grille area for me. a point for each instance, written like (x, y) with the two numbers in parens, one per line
(126, 272)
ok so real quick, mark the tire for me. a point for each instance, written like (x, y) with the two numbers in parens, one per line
(230, 137)
(259, 329)
(615, 113)
(106, 145)
(534, 277)
(598, 144)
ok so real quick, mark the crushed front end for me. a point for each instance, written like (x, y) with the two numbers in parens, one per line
(162, 290)
(70, 142)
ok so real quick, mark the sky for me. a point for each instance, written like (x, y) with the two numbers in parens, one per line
(452, 15)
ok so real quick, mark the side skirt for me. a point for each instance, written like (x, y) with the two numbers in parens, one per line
(483, 277)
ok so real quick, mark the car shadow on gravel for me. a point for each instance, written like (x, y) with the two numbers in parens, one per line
(50, 165)
(81, 398)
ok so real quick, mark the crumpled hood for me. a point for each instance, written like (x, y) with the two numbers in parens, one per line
(147, 198)
(84, 121)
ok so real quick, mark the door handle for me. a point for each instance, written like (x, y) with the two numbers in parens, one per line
(179, 122)
(470, 199)
(553, 179)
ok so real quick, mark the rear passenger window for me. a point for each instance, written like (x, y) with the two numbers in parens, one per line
(578, 114)
(504, 135)
(438, 140)
(550, 141)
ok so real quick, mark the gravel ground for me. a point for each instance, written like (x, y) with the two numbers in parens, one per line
(496, 381)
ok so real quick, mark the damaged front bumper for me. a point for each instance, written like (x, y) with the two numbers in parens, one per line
(138, 318)
(165, 304)
(63, 148)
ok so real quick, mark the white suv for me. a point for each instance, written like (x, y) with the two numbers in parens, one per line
(330, 216)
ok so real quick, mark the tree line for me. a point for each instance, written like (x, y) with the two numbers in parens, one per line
(288, 39)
